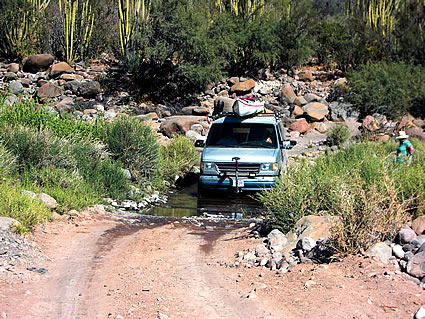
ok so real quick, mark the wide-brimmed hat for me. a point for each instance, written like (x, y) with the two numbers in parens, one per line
(402, 135)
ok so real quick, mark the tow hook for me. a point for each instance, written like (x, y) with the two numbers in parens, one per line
(236, 159)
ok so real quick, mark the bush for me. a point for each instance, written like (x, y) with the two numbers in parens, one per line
(387, 88)
(21, 207)
(7, 161)
(338, 135)
(132, 142)
(363, 185)
(177, 158)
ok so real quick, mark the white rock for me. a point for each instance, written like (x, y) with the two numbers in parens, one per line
(420, 314)
(398, 251)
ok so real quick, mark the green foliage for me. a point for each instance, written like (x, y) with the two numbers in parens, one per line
(28, 113)
(21, 207)
(132, 142)
(363, 185)
(387, 88)
(7, 161)
(338, 135)
(177, 158)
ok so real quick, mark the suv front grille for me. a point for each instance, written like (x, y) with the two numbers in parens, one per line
(243, 169)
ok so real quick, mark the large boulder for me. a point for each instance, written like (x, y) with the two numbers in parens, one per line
(300, 126)
(315, 110)
(49, 91)
(60, 68)
(47, 200)
(287, 94)
(38, 63)
(243, 87)
(181, 124)
(310, 97)
(89, 89)
(382, 251)
(315, 227)
(223, 104)
(416, 265)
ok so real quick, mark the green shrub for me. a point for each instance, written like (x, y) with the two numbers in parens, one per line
(21, 207)
(363, 185)
(338, 135)
(28, 113)
(7, 161)
(387, 88)
(132, 142)
(177, 158)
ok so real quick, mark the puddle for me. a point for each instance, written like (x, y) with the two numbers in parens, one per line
(185, 202)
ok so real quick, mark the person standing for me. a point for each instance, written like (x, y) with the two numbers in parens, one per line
(405, 149)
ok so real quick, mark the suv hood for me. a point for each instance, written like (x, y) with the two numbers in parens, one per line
(247, 155)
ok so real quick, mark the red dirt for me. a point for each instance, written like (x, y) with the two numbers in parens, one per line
(104, 268)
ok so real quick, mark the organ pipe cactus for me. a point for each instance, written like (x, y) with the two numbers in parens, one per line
(131, 13)
(78, 20)
(245, 8)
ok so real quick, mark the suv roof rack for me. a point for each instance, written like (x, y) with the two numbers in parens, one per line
(277, 115)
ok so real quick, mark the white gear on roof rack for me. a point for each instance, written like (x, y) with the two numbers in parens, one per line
(248, 106)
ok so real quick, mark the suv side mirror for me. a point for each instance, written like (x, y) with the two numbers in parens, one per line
(288, 144)
(199, 143)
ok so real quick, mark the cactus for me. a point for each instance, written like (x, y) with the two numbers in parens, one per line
(78, 21)
(23, 26)
(131, 13)
(245, 8)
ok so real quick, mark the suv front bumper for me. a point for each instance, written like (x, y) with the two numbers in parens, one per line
(244, 183)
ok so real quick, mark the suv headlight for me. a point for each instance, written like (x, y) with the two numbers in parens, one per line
(208, 166)
(271, 167)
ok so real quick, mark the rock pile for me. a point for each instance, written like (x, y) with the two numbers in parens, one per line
(137, 206)
(407, 252)
(306, 243)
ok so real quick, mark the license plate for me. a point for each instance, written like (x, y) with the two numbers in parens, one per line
(240, 183)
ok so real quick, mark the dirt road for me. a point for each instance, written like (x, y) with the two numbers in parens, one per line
(105, 269)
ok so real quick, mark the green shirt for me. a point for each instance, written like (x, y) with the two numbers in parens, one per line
(403, 150)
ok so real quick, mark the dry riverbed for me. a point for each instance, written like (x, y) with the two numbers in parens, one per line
(100, 267)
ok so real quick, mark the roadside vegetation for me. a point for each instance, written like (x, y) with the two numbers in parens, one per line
(78, 163)
(361, 184)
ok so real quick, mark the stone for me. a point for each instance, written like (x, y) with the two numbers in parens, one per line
(416, 265)
(60, 68)
(243, 87)
(15, 87)
(421, 248)
(398, 251)
(48, 91)
(315, 227)
(300, 101)
(26, 82)
(306, 244)
(13, 67)
(370, 124)
(420, 314)
(419, 123)
(416, 133)
(298, 111)
(73, 86)
(188, 110)
(6, 223)
(310, 97)
(10, 100)
(10, 76)
(418, 225)
(71, 77)
(89, 89)
(110, 114)
(406, 235)
(380, 250)
(38, 63)
(315, 110)
(323, 127)
(180, 124)
(300, 126)
(201, 111)
(223, 104)
(340, 82)
(127, 174)
(306, 76)
(287, 94)
(261, 250)
(233, 80)
(419, 241)
(47, 200)
(194, 136)
(66, 105)
(276, 240)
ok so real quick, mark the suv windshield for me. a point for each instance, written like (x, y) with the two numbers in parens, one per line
(242, 135)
